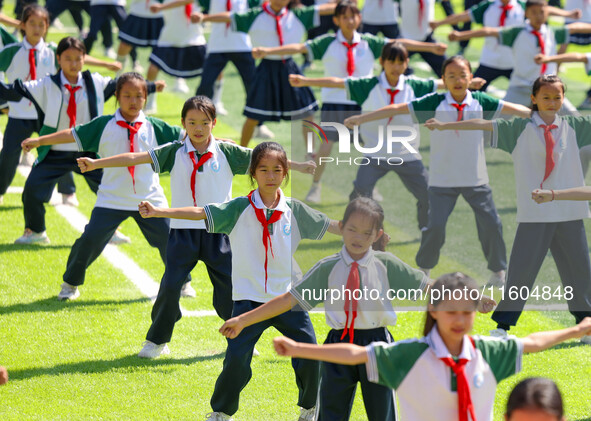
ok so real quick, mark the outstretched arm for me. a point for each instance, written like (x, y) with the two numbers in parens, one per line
(6, 20)
(438, 48)
(557, 11)
(576, 193)
(110, 65)
(579, 28)
(287, 50)
(451, 20)
(157, 7)
(64, 136)
(516, 109)
(474, 124)
(308, 167)
(561, 58)
(223, 17)
(477, 33)
(384, 112)
(348, 354)
(147, 210)
(122, 160)
(322, 82)
(540, 341)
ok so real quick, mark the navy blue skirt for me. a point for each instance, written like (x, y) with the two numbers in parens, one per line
(185, 62)
(141, 32)
(580, 39)
(272, 98)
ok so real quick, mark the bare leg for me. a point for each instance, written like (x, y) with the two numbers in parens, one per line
(323, 151)
(247, 131)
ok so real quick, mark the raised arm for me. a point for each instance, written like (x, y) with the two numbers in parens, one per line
(286, 50)
(63, 136)
(348, 354)
(122, 160)
(451, 20)
(561, 58)
(540, 341)
(477, 33)
(576, 193)
(474, 124)
(278, 305)
(147, 210)
(322, 82)
(579, 28)
(516, 109)
(384, 112)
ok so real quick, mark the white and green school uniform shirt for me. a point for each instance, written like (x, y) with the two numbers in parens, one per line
(371, 94)
(14, 60)
(379, 271)
(524, 140)
(525, 47)
(380, 12)
(413, 368)
(238, 220)
(488, 13)
(588, 64)
(141, 8)
(414, 24)
(330, 49)
(178, 31)
(262, 29)
(223, 39)
(213, 180)
(6, 38)
(457, 158)
(105, 137)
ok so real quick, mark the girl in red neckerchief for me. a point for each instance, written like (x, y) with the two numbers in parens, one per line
(446, 375)
(265, 229)
(545, 152)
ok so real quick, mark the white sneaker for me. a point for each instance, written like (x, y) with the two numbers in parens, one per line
(30, 237)
(263, 132)
(218, 416)
(497, 279)
(27, 159)
(70, 200)
(1, 199)
(137, 67)
(586, 339)
(151, 106)
(313, 195)
(307, 414)
(220, 109)
(425, 271)
(57, 24)
(499, 333)
(110, 53)
(119, 238)
(180, 86)
(68, 292)
(255, 352)
(188, 291)
(376, 195)
(151, 350)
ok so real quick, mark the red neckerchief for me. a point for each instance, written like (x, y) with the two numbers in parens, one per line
(392, 92)
(538, 35)
(550, 142)
(196, 166)
(260, 214)
(504, 12)
(188, 11)
(71, 110)
(350, 57)
(277, 18)
(353, 282)
(32, 64)
(421, 11)
(131, 132)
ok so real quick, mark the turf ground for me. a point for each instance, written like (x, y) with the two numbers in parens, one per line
(77, 361)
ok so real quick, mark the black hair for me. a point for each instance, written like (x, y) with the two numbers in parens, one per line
(31, 10)
(201, 103)
(70, 42)
(370, 209)
(444, 287)
(262, 150)
(129, 76)
(542, 81)
(455, 59)
(393, 51)
(345, 5)
(536, 393)
(531, 3)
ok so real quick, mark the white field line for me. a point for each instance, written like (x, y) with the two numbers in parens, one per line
(139, 277)
(147, 286)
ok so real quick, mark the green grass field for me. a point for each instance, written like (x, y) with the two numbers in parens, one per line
(77, 361)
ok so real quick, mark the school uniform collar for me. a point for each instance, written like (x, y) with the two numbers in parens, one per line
(281, 206)
(65, 81)
(40, 45)
(543, 28)
(341, 38)
(467, 99)
(364, 261)
(386, 85)
(538, 120)
(511, 2)
(438, 346)
(141, 118)
(190, 148)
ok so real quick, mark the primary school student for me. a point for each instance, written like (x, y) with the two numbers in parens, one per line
(457, 373)
(362, 263)
(121, 189)
(201, 169)
(266, 227)
(545, 152)
(458, 165)
(535, 398)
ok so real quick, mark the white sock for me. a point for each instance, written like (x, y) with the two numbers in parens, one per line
(218, 87)
(123, 61)
(151, 102)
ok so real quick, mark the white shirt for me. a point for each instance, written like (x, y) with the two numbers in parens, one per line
(107, 2)
(178, 31)
(411, 27)
(524, 139)
(583, 5)
(116, 190)
(380, 12)
(82, 111)
(222, 38)
(141, 8)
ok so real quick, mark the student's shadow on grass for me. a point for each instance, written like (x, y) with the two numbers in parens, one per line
(52, 305)
(107, 366)
(6, 248)
(7, 208)
(572, 344)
